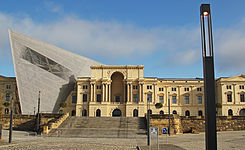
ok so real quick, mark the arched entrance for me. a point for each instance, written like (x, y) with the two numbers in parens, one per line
(199, 113)
(73, 113)
(230, 112)
(135, 113)
(117, 87)
(84, 112)
(116, 113)
(242, 112)
(174, 112)
(161, 112)
(187, 113)
(98, 113)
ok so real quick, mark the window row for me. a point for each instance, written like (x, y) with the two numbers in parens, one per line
(187, 112)
(229, 97)
(240, 87)
(174, 99)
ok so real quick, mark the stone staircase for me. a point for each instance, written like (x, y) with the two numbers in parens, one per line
(102, 127)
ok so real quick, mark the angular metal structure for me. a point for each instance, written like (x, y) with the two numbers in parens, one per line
(46, 68)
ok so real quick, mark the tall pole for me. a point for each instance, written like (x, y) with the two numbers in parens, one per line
(38, 114)
(148, 124)
(209, 79)
(11, 121)
(168, 114)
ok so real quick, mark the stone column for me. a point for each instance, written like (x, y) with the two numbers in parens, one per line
(155, 93)
(131, 92)
(94, 99)
(139, 93)
(142, 93)
(109, 92)
(106, 93)
(128, 92)
(192, 96)
(234, 91)
(103, 92)
(91, 92)
(179, 96)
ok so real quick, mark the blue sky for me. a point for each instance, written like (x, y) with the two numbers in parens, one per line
(162, 35)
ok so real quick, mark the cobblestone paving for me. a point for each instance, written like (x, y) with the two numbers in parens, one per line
(230, 140)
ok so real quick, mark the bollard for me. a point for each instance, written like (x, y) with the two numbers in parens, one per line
(1, 133)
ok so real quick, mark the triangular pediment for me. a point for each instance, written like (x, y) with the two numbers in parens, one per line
(240, 77)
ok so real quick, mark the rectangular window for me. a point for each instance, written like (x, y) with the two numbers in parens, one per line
(186, 89)
(173, 89)
(74, 99)
(228, 87)
(242, 98)
(8, 86)
(85, 96)
(98, 86)
(161, 99)
(160, 89)
(85, 86)
(187, 100)
(174, 101)
(98, 98)
(117, 98)
(135, 87)
(199, 99)
(149, 87)
(199, 89)
(135, 97)
(149, 98)
(229, 98)
(241, 86)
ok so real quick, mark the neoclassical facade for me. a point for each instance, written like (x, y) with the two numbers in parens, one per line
(123, 91)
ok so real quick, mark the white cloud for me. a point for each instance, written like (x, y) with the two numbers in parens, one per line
(112, 40)
(53, 7)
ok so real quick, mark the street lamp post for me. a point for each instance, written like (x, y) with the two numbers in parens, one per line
(168, 114)
(209, 80)
(38, 114)
(11, 121)
(148, 124)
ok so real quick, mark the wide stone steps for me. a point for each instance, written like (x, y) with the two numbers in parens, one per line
(118, 127)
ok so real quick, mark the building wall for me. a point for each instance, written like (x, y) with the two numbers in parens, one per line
(8, 91)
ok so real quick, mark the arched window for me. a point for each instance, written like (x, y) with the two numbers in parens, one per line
(84, 112)
(7, 96)
(135, 113)
(98, 113)
(116, 113)
(230, 112)
(161, 112)
(199, 113)
(6, 111)
(174, 112)
(187, 113)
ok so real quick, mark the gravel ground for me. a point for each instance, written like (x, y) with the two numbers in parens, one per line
(229, 140)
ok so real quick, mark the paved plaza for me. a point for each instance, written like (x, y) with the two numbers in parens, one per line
(229, 140)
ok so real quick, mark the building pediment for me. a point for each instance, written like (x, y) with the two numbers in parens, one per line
(240, 77)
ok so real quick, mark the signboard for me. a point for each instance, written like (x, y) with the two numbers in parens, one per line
(164, 130)
(154, 130)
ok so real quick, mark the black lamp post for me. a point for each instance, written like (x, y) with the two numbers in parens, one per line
(209, 79)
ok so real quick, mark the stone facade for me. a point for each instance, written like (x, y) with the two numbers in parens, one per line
(231, 95)
(8, 92)
(123, 89)
(183, 124)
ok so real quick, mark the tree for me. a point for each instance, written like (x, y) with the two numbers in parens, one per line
(6, 104)
(63, 105)
(158, 105)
